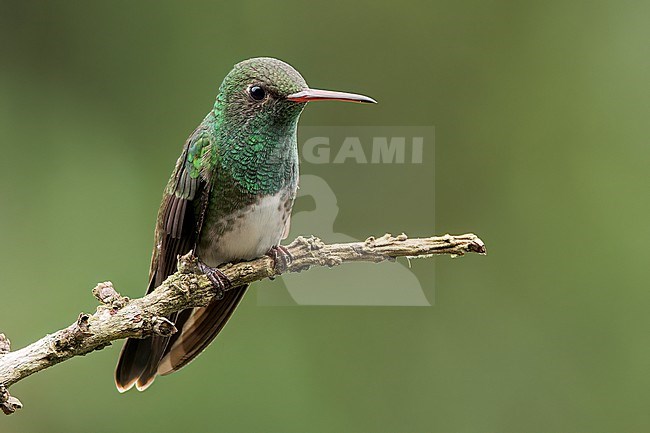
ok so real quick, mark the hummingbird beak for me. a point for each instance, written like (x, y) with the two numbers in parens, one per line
(328, 95)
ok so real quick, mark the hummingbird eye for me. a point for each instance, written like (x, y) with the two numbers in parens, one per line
(257, 92)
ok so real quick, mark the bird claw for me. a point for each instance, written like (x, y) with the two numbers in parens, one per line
(281, 257)
(219, 280)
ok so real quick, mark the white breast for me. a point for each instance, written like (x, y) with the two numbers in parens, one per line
(256, 229)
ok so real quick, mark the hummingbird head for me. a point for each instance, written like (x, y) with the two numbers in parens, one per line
(255, 122)
(268, 93)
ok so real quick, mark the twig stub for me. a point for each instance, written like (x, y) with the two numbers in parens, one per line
(5, 344)
(8, 404)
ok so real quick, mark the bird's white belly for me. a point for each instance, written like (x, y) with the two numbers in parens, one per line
(255, 230)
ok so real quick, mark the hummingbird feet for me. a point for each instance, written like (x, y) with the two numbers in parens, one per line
(282, 258)
(219, 281)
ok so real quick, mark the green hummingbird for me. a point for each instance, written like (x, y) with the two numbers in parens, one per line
(229, 199)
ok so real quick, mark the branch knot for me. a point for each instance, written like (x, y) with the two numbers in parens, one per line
(163, 326)
(188, 264)
(8, 404)
(5, 345)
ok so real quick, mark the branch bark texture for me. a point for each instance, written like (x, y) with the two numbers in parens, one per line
(119, 317)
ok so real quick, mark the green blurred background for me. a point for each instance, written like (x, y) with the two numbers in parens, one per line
(541, 116)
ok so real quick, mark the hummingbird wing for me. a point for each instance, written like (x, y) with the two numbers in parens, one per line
(177, 230)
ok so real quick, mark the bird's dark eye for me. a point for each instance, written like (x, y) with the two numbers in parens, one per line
(257, 93)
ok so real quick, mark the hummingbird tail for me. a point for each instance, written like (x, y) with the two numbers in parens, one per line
(142, 360)
(133, 361)
(198, 331)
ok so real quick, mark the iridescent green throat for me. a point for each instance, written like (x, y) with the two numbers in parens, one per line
(258, 151)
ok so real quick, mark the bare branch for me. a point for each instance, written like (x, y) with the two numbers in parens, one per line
(118, 317)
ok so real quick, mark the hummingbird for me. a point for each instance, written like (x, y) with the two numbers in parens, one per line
(229, 199)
